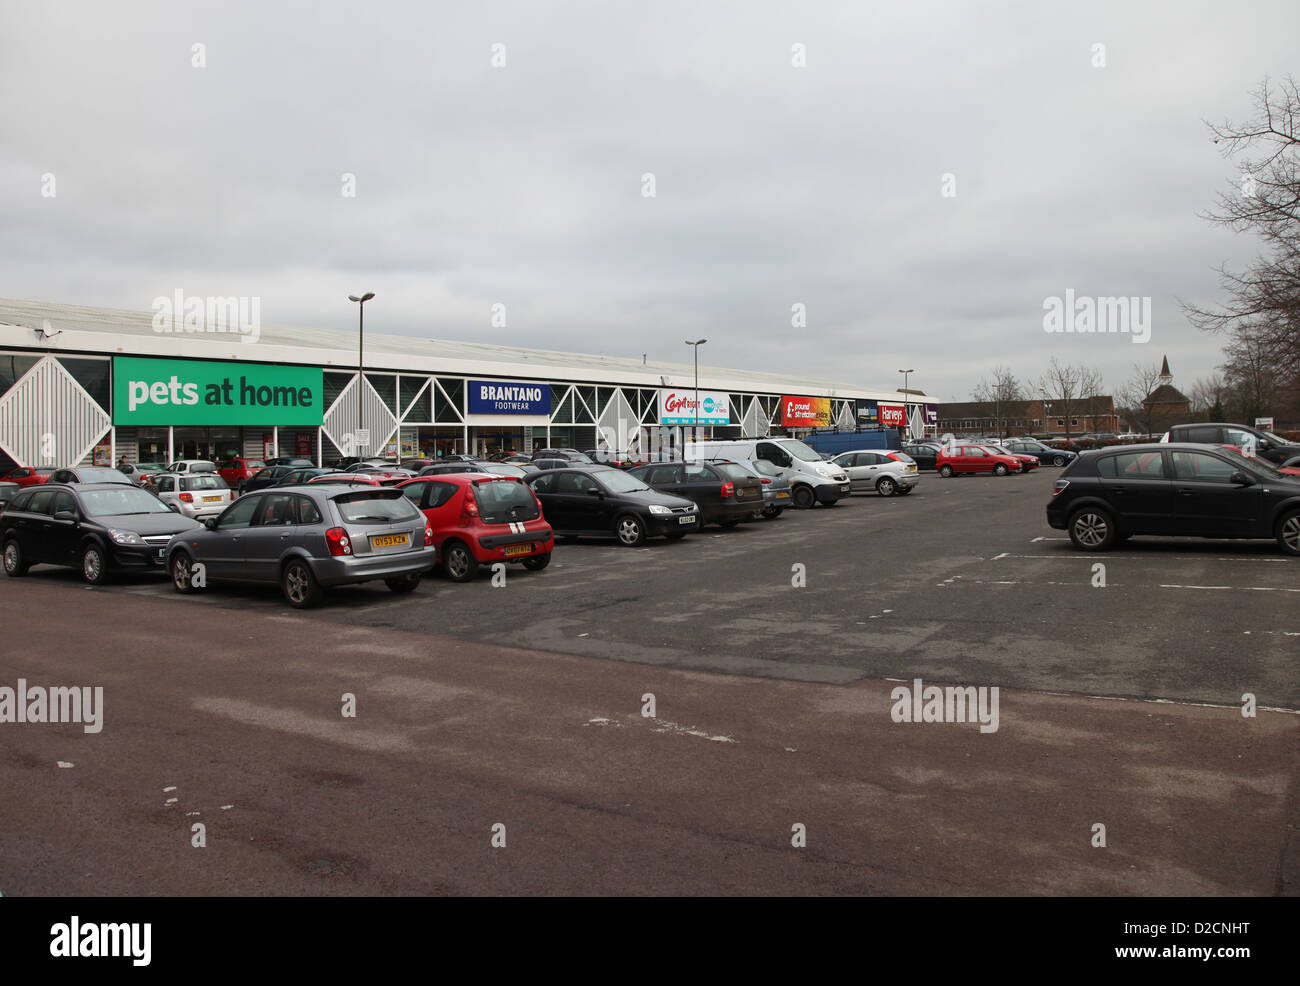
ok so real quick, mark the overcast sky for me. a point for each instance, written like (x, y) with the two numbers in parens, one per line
(522, 185)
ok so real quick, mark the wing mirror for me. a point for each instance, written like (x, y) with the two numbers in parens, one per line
(210, 523)
(599, 493)
(1240, 479)
(65, 515)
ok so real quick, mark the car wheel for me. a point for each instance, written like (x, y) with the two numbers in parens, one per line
(630, 530)
(537, 562)
(771, 513)
(301, 589)
(1000, 469)
(802, 497)
(459, 561)
(729, 523)
(94, 568)
(183, 572)
(1091, 529)
(1288, 533)
(1058, 460)
(15, 565)
(402, 585)
(945, 471)
(886, 487)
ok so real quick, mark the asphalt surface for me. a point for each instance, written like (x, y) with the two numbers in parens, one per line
(522, 706)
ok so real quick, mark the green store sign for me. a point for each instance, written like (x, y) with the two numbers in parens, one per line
(197, 392)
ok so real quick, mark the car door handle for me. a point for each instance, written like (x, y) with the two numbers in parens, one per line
(1117, 490)
(1186, 492)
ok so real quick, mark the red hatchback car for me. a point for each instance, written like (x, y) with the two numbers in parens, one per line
(479, 518)
(236, 471)
(25, 476)
(955, 459)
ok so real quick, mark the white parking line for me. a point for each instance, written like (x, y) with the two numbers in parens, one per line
(1246, 588)
(1111, 555)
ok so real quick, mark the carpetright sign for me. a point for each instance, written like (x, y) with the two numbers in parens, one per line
(198, 392)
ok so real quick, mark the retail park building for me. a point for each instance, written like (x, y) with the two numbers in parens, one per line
(92, 385)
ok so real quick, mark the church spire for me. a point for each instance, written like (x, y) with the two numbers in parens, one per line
(1166, 378)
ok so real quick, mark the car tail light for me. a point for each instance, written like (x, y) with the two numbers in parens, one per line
(338, 541)
(469, 511)
(187, 498)
(1059, 485)
(765, 481)
(428, 536)
(728, 489)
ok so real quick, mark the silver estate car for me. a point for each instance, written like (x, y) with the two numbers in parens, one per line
(195, 495)
(308, 539)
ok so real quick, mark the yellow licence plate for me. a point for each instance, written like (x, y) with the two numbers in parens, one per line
(781, 493)
(212, 499)
(390, 540)
(519, 549)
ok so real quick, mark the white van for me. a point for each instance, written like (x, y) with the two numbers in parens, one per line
(812, 480)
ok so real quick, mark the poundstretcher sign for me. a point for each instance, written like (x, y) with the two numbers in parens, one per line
(197, 392)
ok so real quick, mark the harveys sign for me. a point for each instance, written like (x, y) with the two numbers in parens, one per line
(893, 415)
(677, 407)
(805, 412)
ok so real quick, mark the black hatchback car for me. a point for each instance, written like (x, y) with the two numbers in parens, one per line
(1174, 489)
(100, 528)
(725, 493)
(601, 501)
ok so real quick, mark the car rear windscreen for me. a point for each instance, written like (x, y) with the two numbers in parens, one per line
(736, 474)
(204, 482)
(375, 506)
(505, 501)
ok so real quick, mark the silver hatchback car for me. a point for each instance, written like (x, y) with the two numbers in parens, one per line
(195, 495)
(308, 539)
(881, 470)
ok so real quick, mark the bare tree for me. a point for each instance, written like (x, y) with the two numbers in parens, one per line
(1135, 392)
(1206, 394)
(1263, 312)
(1252, 374)
(1003, 390)
(1071, 389)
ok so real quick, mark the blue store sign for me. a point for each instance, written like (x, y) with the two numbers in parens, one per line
(509, 397)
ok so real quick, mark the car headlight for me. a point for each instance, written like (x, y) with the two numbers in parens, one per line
(125, 537)
(660, 511)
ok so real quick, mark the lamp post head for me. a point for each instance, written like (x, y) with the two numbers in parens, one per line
(365, 297)
(697, 342)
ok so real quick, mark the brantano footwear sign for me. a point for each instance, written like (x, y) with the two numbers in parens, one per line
(199, 392)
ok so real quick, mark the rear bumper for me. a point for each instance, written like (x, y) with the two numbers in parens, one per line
(345, 570)
(493, 547)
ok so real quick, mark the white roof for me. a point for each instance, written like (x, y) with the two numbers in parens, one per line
(122, 333)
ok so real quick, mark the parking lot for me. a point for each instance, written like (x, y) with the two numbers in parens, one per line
(524, 705)
(962, 581)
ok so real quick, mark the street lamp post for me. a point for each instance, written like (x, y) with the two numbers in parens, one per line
(361, 360)
(695, 347)
(906, 417)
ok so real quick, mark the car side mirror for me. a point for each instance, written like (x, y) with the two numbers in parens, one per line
(64, 515)
(173, 507)
(209, 522)
(595, 493)
(1240, 479)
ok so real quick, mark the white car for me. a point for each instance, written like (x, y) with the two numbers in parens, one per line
(881, 470)
(192, 465)
(196, 495)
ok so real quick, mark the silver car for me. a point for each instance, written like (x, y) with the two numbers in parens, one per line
(776, 488)
(196, 495)
(881, 470)
(308, 539)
